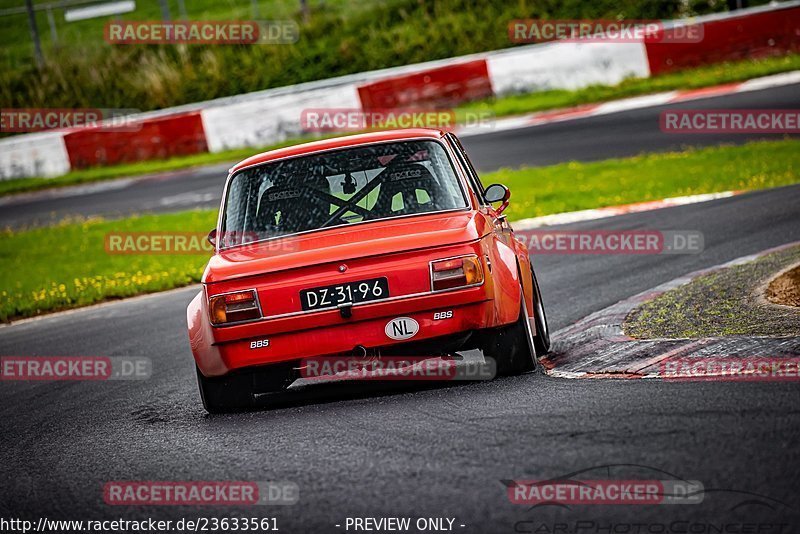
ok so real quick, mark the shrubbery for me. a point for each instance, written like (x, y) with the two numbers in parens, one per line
(332, 43)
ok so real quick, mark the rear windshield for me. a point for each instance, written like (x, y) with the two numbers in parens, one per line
(349, 186)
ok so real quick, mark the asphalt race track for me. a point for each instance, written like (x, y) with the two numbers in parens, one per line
(616, 135)
(364, 450)
(367, 450)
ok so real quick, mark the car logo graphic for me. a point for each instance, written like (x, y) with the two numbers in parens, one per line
(401, 328)
(405, 175)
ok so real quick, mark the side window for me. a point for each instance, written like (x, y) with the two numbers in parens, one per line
(472, 176)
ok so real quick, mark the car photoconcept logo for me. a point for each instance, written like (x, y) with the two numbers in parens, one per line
(402, 328)
(282, 195)
(405, 175)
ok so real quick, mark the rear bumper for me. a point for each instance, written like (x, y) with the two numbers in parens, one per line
(220, 350)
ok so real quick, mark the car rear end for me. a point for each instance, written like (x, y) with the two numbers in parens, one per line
(343, 302)
(375, 245)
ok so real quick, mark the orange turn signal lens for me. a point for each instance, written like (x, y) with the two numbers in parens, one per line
(457, 272)
(234, 307)
(473, 271)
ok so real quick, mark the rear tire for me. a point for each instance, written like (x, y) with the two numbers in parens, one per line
(541, 341)
(512, 346)
(235, 392)
(230, 393)
(515, 348)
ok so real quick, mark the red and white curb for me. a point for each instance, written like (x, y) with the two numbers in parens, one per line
(627, 104)
(597, 347)
(612, 211)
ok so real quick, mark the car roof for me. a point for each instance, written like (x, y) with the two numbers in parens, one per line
(339, 142)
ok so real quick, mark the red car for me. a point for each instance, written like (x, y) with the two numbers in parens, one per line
(382, 243)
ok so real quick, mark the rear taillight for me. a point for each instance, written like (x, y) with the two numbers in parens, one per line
(456, 272)
(234, 307)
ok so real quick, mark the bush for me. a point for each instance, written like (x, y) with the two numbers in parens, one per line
(91, 73)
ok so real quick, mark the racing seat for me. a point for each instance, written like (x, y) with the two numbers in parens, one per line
(408, 180)
(294, 207)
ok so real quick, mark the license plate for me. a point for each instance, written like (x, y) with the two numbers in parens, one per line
(348, 292)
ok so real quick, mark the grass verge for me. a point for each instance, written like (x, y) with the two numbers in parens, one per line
(66, 266)
(576, 186)
(500, 107)
(719, 304)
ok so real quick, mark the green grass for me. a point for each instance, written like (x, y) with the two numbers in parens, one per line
(725, 303)
(15, 39)
(577, 186)
(66, 266)
(690, 79)
(696, 78)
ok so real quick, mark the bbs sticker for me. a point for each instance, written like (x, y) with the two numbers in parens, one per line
(438, 316)
(260, 344)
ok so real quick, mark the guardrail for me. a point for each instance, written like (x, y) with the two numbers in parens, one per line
(274, 115)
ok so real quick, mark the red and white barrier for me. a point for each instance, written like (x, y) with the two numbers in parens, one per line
(562, 65)
(753, 33)
(180, 134)
(34, 154)
(272, 116)
(438, 87)
(271, 119)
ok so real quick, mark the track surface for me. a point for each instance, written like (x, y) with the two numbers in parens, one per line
(364, 450)
(616, 135)
(440, 451)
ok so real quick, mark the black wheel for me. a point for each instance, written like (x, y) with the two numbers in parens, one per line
(230, 393)
(541, 341)
(235, 392)
(512, 346)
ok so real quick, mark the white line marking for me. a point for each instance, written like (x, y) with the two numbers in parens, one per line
(611, 211)
(626, 104)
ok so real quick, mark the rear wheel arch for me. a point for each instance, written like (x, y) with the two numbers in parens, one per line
(201, 337)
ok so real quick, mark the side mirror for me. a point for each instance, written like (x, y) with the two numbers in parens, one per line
(212, 237)
(498, 193)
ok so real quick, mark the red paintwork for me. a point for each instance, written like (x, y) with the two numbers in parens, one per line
(399, 249)
(159, 138)
(770, 33)
(438, 87)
